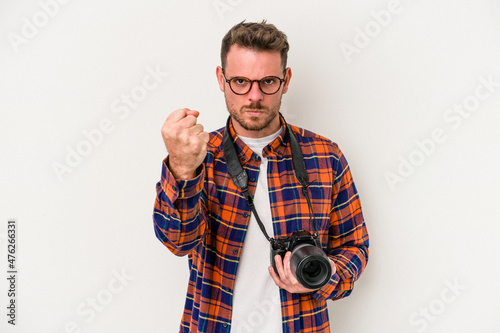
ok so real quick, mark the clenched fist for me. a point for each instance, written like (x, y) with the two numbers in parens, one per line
(186, 143)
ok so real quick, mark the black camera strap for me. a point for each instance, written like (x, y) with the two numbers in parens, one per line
(240, 177)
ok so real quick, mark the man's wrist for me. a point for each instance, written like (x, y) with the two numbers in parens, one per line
(181, 173)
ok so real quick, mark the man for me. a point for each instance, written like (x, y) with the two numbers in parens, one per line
(201, 212)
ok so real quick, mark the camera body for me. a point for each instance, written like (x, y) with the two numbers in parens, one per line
(308, 262)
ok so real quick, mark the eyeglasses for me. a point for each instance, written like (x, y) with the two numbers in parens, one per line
(240, 85)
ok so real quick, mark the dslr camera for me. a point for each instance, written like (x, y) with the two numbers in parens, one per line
(308, 262)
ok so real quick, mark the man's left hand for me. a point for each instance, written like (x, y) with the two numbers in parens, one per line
(286, 279)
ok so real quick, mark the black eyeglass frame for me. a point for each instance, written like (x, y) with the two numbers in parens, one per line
(252, 81)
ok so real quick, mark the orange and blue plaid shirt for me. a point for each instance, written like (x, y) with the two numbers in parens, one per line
(207, 218)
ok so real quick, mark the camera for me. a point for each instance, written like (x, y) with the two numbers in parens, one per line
(308, 262)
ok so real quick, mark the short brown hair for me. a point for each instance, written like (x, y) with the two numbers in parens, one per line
(256, 36)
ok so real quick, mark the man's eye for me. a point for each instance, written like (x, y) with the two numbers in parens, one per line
(269, 81)
(239, 81)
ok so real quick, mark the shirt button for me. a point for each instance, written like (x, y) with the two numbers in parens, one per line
(245, 214)
(174, 188)
(255, 157)
(252, 180)
(225, 325)
(235, 251)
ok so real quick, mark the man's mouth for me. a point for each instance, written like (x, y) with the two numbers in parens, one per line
(254, 112)
(254, 108)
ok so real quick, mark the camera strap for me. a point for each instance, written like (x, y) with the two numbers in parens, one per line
(240, 177)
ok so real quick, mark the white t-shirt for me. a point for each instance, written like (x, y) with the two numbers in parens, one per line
(256, 299)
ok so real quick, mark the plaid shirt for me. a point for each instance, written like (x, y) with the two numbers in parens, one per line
(207, 217)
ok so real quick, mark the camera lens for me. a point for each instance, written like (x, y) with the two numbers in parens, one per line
(311, 266)
(312, 269)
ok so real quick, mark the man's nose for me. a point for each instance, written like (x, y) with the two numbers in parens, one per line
(255, 94)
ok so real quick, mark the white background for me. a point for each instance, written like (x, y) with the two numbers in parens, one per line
(433, 264)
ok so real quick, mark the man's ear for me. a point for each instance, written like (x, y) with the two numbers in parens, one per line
(288, 77)
(220, 78)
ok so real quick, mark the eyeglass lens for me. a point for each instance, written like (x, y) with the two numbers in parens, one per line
(268, 85)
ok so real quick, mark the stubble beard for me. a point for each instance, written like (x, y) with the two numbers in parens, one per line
(254, 123)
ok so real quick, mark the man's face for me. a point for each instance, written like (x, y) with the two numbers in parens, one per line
(254, 114)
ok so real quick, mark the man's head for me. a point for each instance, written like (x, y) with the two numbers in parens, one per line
(253, 52)
(255, 36)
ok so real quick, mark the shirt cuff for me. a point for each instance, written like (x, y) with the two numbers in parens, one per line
(327, 290)
(178, 188)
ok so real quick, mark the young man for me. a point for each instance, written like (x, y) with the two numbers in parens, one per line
(201, 212)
